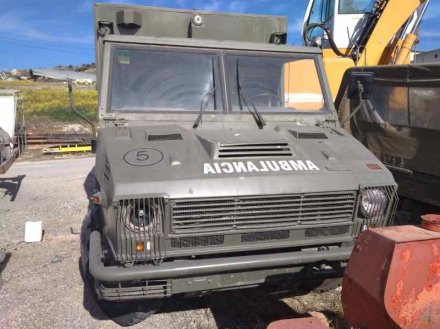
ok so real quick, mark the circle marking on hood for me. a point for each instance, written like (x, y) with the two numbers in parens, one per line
(143, 157)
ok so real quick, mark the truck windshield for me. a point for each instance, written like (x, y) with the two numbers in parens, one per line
(274, 83)
(163, 80)
(171, 79)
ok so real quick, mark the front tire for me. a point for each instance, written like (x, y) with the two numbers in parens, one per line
(128, 314)
(123, 313)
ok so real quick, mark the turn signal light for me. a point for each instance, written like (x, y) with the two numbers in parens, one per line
(140, 246)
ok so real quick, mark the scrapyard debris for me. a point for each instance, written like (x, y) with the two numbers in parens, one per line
(56, 259)
(33, 231)
(2, 257)
(75, 230)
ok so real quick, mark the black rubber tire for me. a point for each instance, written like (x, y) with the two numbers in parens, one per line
(128, 314)
(125, 314)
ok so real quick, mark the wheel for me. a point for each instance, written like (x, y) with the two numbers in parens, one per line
(127, 314)
(123, 313)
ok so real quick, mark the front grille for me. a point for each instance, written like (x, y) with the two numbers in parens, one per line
(315, 232)
(197, 241)
(230, 151)
(139, 220)
(265, 236)
(261, 212)
(124, 291)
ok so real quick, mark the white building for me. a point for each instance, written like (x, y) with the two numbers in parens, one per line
(432, 56)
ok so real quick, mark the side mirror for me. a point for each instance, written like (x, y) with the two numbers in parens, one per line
(360, 82)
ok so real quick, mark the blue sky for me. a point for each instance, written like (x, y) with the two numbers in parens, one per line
(44, 33)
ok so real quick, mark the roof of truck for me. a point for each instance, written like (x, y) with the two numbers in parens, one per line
(214, 44)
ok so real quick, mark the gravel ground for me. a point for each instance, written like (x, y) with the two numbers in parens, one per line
(41, 285)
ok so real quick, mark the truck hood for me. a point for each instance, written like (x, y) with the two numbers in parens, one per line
(180, 163)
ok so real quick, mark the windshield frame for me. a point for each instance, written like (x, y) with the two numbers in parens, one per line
(104, 80)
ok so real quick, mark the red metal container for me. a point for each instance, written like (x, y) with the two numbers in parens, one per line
(393, 279)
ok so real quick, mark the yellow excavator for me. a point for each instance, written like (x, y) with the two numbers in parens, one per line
(362, 33)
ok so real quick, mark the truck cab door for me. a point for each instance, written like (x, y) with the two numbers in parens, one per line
(318, 12)
(345, 19)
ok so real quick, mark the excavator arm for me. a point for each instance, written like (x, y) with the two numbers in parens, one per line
(382, 45)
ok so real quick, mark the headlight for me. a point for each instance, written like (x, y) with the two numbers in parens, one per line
(139, 215)
(142, 218)
(373, 203)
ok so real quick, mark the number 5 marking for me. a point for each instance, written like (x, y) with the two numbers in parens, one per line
(142, 156)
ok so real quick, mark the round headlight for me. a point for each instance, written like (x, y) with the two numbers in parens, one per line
(141, 218)
(373, 203)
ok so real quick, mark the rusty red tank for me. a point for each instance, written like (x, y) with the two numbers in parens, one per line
(393, 279)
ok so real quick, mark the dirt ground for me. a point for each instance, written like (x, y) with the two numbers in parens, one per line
(41, 285)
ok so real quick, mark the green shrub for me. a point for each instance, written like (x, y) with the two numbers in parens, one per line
(54, 104)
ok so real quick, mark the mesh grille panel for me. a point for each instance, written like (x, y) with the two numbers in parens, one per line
(200, 241)
(228, 214)
(265, 236)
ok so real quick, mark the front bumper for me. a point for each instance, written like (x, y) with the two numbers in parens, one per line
(201, 275)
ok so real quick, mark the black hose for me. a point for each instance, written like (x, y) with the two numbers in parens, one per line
(72, 107)
(333, 45)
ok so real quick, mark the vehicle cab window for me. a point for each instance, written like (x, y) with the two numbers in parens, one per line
(146, 79)
(356, 6)
(270, 84)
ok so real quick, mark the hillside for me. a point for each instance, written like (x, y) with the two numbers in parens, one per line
(24, 74)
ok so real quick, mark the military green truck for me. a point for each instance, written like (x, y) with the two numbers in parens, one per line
(217, 166)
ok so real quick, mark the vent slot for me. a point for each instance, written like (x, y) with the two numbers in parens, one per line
(229, 151)
(326, 231)
(133, 290)
(308, 135)
(200, 241)
(168, 137)
(265, 236)
(262, 212)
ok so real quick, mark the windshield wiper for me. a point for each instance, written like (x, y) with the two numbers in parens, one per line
(204, 105)
(255, 114)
